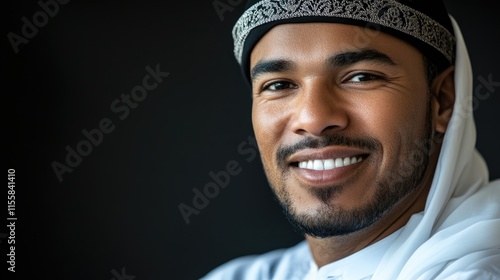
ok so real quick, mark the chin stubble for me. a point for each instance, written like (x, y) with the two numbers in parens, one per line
(330, 220)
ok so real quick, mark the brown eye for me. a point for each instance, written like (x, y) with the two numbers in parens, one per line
(363, 77)
(281, 85)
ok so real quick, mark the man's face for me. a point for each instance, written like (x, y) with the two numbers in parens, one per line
(342, 119)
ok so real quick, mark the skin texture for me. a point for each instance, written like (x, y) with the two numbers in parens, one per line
(321, 93)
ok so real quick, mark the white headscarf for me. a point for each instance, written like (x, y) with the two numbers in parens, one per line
(461, 222)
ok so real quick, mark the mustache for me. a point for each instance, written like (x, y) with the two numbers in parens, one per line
(367, 143)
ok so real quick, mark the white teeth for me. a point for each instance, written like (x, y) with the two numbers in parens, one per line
(318, 165)
(328, 164)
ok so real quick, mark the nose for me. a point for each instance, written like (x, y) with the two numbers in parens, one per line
(318, 111)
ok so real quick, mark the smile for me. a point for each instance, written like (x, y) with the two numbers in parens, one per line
(328, 164)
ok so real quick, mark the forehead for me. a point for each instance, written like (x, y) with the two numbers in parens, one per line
(310, 42)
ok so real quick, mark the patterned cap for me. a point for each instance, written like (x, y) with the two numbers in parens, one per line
(423, 23)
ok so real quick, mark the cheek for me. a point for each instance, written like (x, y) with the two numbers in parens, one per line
(396, 120)
(388, 119)
(269, 124)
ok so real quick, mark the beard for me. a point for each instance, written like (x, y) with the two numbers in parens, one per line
(330, 220)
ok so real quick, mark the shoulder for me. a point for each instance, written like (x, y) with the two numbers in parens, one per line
(271, 265)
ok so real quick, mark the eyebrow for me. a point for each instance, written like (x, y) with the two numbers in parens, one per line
(271, 66)
(349, 58)
(338, 60)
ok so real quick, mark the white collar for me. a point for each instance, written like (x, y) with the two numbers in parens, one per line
(360, 265)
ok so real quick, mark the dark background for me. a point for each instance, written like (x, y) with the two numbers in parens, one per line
(119, 207)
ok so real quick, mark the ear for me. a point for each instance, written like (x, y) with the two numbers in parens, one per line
(443, 99)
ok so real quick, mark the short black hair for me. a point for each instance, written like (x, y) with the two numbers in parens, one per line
(431, 70)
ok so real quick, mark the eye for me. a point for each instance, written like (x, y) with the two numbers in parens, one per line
(363, 77)
(277, 86)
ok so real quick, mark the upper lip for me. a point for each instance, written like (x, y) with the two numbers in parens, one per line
(331, 152)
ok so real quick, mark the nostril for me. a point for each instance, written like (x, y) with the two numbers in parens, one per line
(331, 128)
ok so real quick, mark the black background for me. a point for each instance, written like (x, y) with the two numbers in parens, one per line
(119, 207)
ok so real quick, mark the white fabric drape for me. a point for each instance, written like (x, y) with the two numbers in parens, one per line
(460, 226)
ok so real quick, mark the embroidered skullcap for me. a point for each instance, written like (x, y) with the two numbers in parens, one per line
(424, 24)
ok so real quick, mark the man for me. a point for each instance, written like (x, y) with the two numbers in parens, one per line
(362, 113)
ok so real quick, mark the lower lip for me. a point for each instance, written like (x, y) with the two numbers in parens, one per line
(320, 178)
